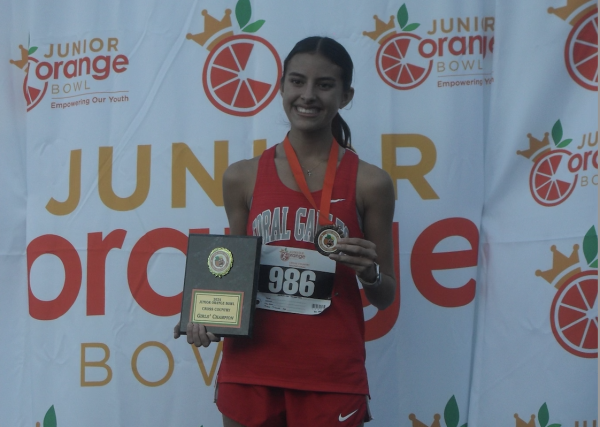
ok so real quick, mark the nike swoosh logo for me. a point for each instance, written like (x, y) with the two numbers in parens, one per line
(341, 419)
(337, 200)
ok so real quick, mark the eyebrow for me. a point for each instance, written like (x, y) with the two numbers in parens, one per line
(296, 74)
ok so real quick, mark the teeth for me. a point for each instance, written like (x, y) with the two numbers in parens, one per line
(307, 110)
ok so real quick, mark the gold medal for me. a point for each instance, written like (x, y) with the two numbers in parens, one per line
(326, 239)
(328, 234)
(220, 261)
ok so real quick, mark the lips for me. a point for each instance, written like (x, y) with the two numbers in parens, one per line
(307, 110)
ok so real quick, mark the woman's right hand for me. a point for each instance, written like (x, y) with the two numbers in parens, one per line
(196, 334)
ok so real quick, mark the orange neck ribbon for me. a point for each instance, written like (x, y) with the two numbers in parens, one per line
(327, 183)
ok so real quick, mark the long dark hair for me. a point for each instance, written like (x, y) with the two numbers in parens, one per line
(337, 54)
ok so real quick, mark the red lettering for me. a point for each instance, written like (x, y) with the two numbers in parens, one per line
(200, 231)
(60, 247)
(595, 159)
(119, 62)
(97, 252)
(57, 69)
(586, 156)
(472, 40)
(575, 162)
(462, 42)
(441, 42)
(384, 320)
(85, 60)
(73, 73)
(423, 261)
(103, 71)
(137, 267)
(432, 46)
(47, 74)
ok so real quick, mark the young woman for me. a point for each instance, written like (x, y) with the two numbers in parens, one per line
(307, 367)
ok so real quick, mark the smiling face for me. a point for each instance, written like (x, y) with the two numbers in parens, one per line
(313, 92)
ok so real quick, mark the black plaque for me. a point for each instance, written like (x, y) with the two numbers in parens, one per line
(220, 285)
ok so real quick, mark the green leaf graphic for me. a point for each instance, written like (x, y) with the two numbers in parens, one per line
(451, 413)
(554, 425)
(590, 246)
(543, 415)
(254, 27)
(557, 134)
(464, 425)
(31, 50)
(594, 264)
(411, 27)
(243, 11)
(564, 143)
(50, 418)
(402, 16)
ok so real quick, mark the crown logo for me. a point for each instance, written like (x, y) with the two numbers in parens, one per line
(214, 30)
(536, 148)
(21, 63)
(585, 424)
(49, 418)
(520, 423)
(567, 10)
(417, 423)
(382, 30)
(560, 263)
(451, 416)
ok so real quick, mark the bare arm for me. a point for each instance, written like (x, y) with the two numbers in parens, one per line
(238, 186)
(376, 202)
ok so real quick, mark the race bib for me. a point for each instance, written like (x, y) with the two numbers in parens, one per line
(294, 280)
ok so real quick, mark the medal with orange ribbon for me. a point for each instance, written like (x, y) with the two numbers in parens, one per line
(328, 234)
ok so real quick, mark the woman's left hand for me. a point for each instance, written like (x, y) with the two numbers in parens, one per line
(358, 254)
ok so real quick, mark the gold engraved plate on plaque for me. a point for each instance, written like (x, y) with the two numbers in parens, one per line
(220, 261)
(217, 308)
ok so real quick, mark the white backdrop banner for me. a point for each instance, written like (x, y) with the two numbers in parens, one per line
(119, 119)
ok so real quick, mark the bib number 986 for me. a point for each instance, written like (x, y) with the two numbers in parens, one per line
(292, 281)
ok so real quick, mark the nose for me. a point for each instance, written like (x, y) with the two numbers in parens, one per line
(308, 93)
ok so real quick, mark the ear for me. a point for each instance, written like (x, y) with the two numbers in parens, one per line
(347, 97)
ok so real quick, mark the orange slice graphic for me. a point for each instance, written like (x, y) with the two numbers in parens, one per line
(581, 51)
(33, 95)
(399, 63)
(574, 315)
(544, 181)
(241, 75)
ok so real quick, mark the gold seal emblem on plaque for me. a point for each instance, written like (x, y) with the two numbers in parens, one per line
(220, 261)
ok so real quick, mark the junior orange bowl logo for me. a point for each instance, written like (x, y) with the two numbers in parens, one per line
(398, 60)
(574, 315)
(581, 47)
(33, 90)
(241, 73)
(555, 171)
(405, 60)
(574, 309)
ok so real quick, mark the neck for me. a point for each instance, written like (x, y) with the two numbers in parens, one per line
(315, 145)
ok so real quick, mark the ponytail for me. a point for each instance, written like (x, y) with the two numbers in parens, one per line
(341, 132)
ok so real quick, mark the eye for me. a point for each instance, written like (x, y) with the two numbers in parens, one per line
(295, 81)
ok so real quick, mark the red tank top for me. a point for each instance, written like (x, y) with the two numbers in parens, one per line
(324, 352)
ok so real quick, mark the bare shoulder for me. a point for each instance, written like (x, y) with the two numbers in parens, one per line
(373, 186)
(372, 178)
(242, 171)
(239, 179)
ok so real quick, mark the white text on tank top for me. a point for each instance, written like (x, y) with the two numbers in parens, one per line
(272, 225)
